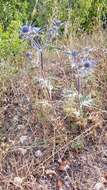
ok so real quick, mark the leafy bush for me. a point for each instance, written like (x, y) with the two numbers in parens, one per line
(10, 44)
(13, 10)
(12, 14)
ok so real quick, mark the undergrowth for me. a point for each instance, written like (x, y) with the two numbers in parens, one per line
(53, 116)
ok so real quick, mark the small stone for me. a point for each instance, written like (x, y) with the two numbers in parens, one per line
(23, 139)
(18, 181)
(15, 118)
(50, 172)
(20, 127)
(99, 186)
(22, 150)
(38, 153)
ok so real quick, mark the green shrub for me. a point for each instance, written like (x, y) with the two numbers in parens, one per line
(10, 44)
(81, 15)
(13, 10)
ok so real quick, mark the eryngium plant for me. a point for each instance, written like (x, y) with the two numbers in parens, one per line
(32, 34)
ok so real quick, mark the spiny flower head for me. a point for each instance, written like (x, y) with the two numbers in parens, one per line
(87, 66)
(32, 34)
(29, 31)
(74, 53)
(29, 55)
(53, 31)
(57, 23)
(25, 29)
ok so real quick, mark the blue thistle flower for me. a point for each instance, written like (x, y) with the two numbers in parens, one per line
(74, 53)
(29, 55)
(28, 32)
(53, 31)
(87, 66)
(32, 34)
(25, 29)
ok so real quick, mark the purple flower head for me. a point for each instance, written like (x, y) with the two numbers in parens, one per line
(28, 32)
(29, 55)
(74, 53)
(25, 29)
(52, 33)
(88, 63)
(32, 34)
(87, 66)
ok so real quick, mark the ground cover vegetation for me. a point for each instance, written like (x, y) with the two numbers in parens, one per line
(53, 97)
